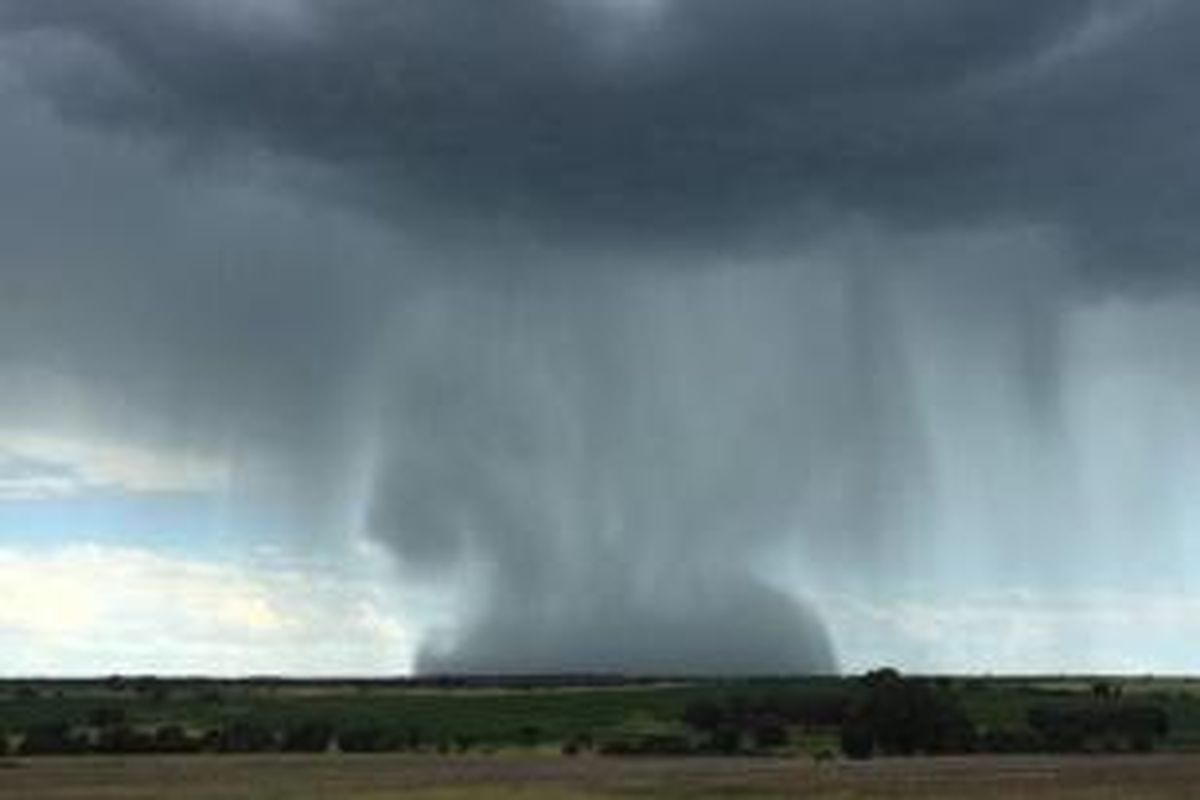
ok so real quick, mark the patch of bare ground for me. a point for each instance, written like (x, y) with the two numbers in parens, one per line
(1164, 777)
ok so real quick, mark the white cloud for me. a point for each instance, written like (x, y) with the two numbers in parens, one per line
(40, 465)
(100, 610)
(23, 481)
(95, 610)
(1021, 631)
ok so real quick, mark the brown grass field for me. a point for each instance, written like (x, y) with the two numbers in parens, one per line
(1163, 777)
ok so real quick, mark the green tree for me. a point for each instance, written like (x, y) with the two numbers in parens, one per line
(308, 737)
(245, 736)
(905, 716)
(51, 739)
(367, 739)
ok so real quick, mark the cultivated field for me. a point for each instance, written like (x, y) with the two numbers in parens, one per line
(151, 739)
(332, 777)
(538, 714)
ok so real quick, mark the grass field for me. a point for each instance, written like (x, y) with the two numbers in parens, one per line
(489, 717)
(1162, 777)
(516, 734)
(504, 717)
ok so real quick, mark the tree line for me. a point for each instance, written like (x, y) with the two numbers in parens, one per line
(243, 736)
(888, 714)
(884, 713)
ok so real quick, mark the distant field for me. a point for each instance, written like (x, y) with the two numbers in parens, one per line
(513, 740)
(391, 777)
(488, 716)
(519, 715)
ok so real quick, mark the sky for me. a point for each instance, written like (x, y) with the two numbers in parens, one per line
(648, 335)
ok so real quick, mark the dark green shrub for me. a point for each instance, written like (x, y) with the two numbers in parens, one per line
(857, 739)
(175, 739)
(657, 744)
(726, 739)
(367, 740)
(124, 739)
(106, 716)
(1010, 741)
(308, 737)
(817, 708)
(245, 736)
(52, 739)
(769, 732)
(579, 743)
(530, 735)
(1106, 724)
(703, 715)
(904, 717)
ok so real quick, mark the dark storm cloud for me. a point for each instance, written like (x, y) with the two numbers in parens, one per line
(774, 635)
(175, 310)
(685, 119)
(603, 453)
(543, 428)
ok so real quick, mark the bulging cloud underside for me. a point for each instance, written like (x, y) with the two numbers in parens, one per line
(732, 627)
(592, 306)
(676, 120)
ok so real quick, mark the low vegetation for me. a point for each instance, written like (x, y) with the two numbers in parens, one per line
(882, 713)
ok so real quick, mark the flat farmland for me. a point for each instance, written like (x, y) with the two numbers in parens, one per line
(382, 777)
